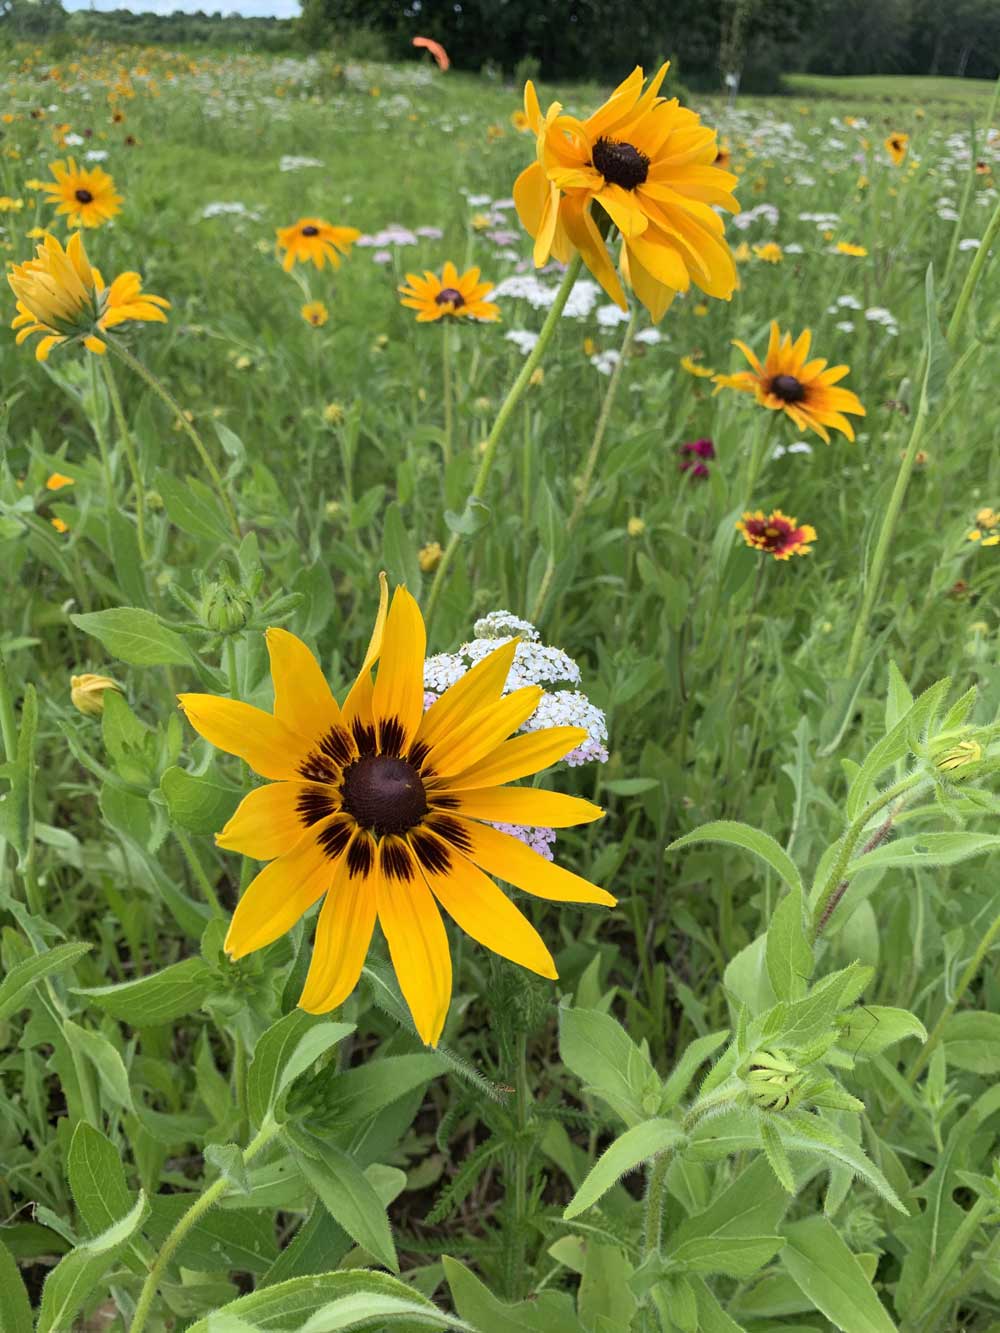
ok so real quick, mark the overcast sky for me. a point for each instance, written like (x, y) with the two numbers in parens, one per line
(252, 8)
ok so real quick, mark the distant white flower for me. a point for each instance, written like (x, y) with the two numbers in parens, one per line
(382, 257)
(947, 214)
(649, 336)
(232, 209)
(605, 362)
(794, 249)
(290, 163)
(430, 233)
(969, 243)
(73, 140)
(844, 325)
(523, 339)
(96, 155)
(477, 200)
(610, 315)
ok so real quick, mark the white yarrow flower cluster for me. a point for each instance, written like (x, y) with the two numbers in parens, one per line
(535, 663)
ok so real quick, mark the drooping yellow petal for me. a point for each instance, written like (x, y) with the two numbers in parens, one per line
(479, 908)
(270, 820)
(356, 703)
(528, 806)
(343, 936)
(512, 860)
(398, 700)
(415, 933)
(286, 889)
(302, 697)
(270, 747)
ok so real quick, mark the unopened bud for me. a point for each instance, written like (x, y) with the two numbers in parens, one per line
(86, 692)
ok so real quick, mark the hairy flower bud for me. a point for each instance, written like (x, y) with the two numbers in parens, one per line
(772, 1080)
(86, 692)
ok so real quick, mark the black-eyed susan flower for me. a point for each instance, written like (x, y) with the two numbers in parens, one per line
(378, 809)
(85, 196)
(896, 145)
(62, 297)
(315, 313)
(776, 533)
(311, 240)
(789, 382)
(455, 295)
(646, 164)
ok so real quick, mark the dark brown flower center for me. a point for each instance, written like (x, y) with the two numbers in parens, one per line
(620, 163)
(84, 197)
(310, 230)
(384, 795)
(788, 388)
(450, 296)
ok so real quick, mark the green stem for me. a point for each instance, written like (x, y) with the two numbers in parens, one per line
(132, 456)
(583, 494)
(161, 390)
(873, 577)
(521, 1156)
(8, 722)
(972, 279)
(931, 1299)
(198, 870)
(203, 1204)
(831, 892)
(102, 444)
(449, 406)
(652, 1232)
(503, 416)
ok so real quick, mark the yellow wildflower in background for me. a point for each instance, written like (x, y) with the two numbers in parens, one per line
(57, 481)
(520, 121)
(429, 557)
(896, 145)
(311, 240)
(648, 165)
(61, 296)
(847, 248)
(691, 365)
(789, 382)
(315, 313)
(458, 296)
(86, 198)
(378, 809)
(87, 692)
(987, 529)
(770, 252)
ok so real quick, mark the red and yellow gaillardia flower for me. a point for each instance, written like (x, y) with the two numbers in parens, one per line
(378, 809)
(789, 382)
(646, 164)
(776, 533)
(60, 295)
(454, 295)
(311, 240)
(86, 197)
(896, 145)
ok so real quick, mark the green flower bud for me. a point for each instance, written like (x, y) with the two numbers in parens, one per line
(772, 1080)
(225, 607)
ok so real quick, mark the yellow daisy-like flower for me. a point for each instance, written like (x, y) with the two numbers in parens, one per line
(649, 166)
(789, 382)
(520, 121)
(776, 533)
(848, 248)
(770, 252)
(315, 313)
(896, 145)
(86, 197)
(316, 241)
(377, 807)
(455, 295)
(987, 529)
(57, 480)
(693, 367)
(61, 296)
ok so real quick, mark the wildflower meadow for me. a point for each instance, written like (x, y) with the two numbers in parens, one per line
(499, 699)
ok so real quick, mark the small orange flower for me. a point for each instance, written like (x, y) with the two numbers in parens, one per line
(453, 295)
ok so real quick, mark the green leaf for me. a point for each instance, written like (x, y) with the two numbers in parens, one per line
(926, 849)
(366, 1090)
(159, 998)
(399, 551)
(894, 746)
(546, 1312)
(777, 1158)
(192, 507)
(97, 1179)
(200, 804)
(135, 636)
(605, 1293)
(711, 1316)
(789, 955)
(752, 1205)
(15, 1307)
(870, 1028)
(636, 1145)
(222, 1239)
(737, 1256)
(102, 1055)
(754, 840)
(351, 1201)
(599, 1051)
(285, 1051)
(829, 1275)
(471, 520)
(695, 1054)
(389, 1309)
(75, 1277)
(287, 1305)
(937, 353)
(227, 1158)
(16, 986)
(802, 1132)
(972, 1042)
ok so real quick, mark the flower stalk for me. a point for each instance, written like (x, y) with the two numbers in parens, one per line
(513, 397)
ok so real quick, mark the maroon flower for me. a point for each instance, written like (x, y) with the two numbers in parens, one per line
(695, 457)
